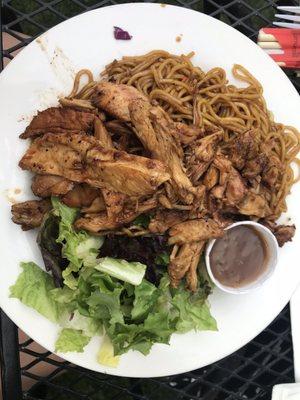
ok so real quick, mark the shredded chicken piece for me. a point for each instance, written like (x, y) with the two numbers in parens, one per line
(194, 230)
(187, 134)
(30, 214)
(102, 135)
(191, 276)
(50, 185)
(115, 99)
(200, 155)
(118, 127)
(253, 168)
(102, 222)
(153, 129)
(283, 233)
(211, 177)
(254, 205)
(114, 202)
(96, 206)
(82, 195)
(80, 158)
(244, 147)
(56, 119)
(185, 259)
(165, 219)
(231, 187)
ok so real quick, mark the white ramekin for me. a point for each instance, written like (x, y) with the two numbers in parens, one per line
(272, 247)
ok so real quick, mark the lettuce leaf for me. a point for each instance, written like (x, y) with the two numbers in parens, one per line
(32, 288)
(71, 340)
(107, 294)
(193, 312)
(106, 354)
(131, 272)
(77, 247)
(146, 295)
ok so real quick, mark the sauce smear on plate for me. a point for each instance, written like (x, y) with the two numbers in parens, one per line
(239, 257)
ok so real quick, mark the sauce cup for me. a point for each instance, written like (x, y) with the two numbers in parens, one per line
(272, 250)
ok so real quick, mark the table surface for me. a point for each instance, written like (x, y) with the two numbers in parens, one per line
(30, 372)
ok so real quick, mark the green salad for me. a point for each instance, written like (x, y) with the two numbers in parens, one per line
(89, 294)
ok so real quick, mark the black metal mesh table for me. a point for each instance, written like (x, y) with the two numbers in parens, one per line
(249, 373)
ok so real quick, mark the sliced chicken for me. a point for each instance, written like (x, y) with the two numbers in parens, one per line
(96, 206)
(117, 127)
(102, 222)
(254, 167)
(59, 119)
(82, 195)
(191, 276)
(165, 219)
(244, 147)
(185, 260)
(187, 134)
(211, 177)
(80, 158)
(194, 230)
(30, 214)
(123, 137)
(114, 202)
(254, 205)
(231, 187)
(283, 233)
(50, 185)
(115, 99)
(102, 135)
(200, 155)
(153, 129)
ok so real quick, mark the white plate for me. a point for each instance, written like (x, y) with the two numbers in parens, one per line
(45, 70)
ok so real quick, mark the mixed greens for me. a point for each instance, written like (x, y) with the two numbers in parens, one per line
(91, 293)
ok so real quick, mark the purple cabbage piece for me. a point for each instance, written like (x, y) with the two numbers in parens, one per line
(120, 34)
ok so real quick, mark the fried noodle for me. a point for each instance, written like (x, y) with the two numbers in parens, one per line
(204, 99)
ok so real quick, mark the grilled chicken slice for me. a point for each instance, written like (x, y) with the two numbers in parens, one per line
(50, 185)
(231, 186)
(254, 205)
(187, 134)
(117, 127)
(115, 99)
(30, 214)
(102, 135)
(153, 128)
(96, 206)
(200, 155)
(254, 167)
(194, 230)
(211, 178)
(185, 261)
(191, 276)
(283, 233)
(59, 119)
(103, 222)
(244, 147)
(81, 159)
(114, 202)
(165, 219)
(82, 195)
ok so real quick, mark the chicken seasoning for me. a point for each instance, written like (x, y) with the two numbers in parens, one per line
(239, 257)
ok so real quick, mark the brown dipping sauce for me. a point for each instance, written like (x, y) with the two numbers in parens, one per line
(239, 257)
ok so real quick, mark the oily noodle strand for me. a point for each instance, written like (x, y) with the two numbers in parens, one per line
(205, 99)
